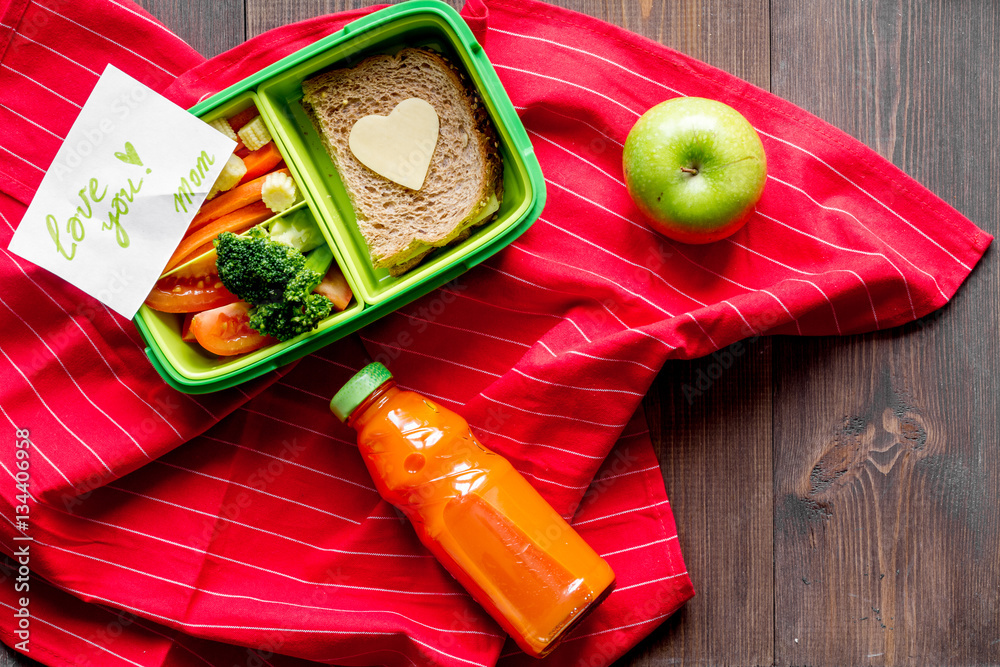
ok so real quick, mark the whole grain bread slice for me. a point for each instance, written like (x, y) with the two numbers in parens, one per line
(465, 170)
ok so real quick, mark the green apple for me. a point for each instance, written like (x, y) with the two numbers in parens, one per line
(695, 167)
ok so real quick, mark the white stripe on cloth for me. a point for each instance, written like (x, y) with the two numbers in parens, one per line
(627, 261)
(35, 616)
(37, 449)
(548, 414)
(255, 599)
(22, 159)
(625, 361)
(874, 199)
(173, 640)
(103, 36)
(429, 356)
(578, 120)
(448, 326)
(728, 303)
(61, 55)
(906, 283)
(576, 155)
(376, 554)
(844, 248)
(648, 582)
(93, 344)
(235, 561)
(260, 491)
(638, 546)
(794, 319)
(663, 310)
(73, 380)
(297, 605)
(51, 412)
(627, 511)
(148, 20)
(299, 426)
(812, 273)
(523, 312)
(25, 118)
(568, 83)
(253, 628)
(537, 444)
(570, 386)
(293, 463)
(646, 228)
(588, 53)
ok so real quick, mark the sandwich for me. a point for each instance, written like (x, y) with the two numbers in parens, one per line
(463, 186)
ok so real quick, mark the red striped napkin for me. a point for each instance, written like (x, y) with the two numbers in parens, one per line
(262, 537)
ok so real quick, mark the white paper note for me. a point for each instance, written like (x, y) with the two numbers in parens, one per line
(121, 192)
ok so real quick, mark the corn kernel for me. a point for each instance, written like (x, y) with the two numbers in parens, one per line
(222, 125)
(232, 173)
(278, 191)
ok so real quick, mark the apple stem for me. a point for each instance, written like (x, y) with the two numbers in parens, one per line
(689, 170)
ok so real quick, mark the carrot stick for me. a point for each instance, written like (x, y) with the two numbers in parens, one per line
(199, 251)
(227, 202)
(243, 117)
(261, 161)
(236, 222)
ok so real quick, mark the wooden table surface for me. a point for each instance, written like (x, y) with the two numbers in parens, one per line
(836, 497)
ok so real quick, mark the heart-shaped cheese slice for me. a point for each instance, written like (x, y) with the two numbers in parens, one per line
(398, 146)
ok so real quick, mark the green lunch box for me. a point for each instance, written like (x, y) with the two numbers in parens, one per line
(277, 92)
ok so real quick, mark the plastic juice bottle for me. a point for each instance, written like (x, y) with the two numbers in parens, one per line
(482, 520)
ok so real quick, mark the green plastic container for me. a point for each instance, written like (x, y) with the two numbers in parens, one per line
(276, 91)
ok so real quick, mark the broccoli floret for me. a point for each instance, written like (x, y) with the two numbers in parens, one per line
(288, 319)
(254, 268)
(302, 283)
(277, 280)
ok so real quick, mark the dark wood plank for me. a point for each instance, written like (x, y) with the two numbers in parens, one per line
(886, 454)
(713, 436)
(711, 424)
(729, 34)
(211, 27)
(262, 15)
(10, 658)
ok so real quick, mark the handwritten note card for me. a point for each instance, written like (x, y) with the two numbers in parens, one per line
(121, 192)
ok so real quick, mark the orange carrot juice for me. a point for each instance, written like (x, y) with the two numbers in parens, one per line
(482, 520)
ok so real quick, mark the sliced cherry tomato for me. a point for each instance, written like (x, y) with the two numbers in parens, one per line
(241, 149)
(242, 118)
(335, 288)
(226, 331)
(186, 334)
(194, 288)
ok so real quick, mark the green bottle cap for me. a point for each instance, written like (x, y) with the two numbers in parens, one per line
(357, 389)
